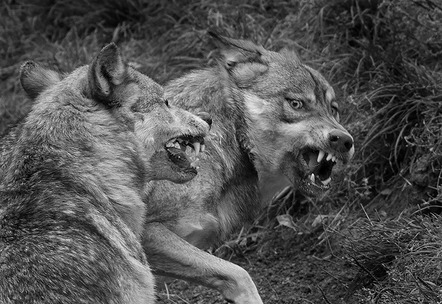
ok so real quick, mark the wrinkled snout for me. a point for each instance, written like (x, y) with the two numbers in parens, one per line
(206, 117)
(340, 141)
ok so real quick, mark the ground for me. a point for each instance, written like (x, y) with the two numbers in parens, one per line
(288, 268)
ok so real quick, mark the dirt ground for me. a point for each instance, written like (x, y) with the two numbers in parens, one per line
(287, 268)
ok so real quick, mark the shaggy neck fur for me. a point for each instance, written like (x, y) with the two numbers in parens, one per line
(59, 138)
(210, 91)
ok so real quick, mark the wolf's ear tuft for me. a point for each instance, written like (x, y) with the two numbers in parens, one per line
(35, 79)
(236, 51)
(107, 72)
(242, 59)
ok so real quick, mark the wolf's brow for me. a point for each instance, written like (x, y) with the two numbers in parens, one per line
(317, 89)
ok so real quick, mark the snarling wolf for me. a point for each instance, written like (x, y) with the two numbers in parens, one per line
(72, 186)
(275, 121)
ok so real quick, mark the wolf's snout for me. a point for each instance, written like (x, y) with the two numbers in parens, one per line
(340, 141)
(206, 117)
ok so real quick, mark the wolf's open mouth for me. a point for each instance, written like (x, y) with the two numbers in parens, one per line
(319, 167)
(184, 150)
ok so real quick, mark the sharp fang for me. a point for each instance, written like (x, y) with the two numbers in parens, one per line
(330, 156)
(326, 182)
(197, 147)
(312, 177)
(334, 158)
(188, 151)
(320, 156)
(203, 147)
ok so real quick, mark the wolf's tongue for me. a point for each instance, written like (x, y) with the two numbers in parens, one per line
(312, 163)
(179, 157)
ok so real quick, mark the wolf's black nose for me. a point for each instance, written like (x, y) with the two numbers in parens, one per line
(340, 141)
(206, 117)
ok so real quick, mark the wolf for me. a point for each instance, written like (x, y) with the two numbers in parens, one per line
(34, 81)
(275, 123)
(72, 189)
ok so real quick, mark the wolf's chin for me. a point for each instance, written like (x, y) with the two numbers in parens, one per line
(183, 175)
(165, 167)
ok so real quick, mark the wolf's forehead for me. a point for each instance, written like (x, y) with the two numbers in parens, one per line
(151, 90)
(144, 81)
(313, 83)
(300, 77)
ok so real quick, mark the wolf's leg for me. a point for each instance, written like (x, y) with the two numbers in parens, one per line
(169, 255)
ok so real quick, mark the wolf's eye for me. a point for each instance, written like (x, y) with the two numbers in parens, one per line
(335, 112)
(334, 108)
(295, 104)
(166, 102)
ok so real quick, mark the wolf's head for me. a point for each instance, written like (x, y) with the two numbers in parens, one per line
(291, 114)
(172, 137)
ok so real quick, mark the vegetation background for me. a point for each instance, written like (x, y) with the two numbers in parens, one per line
(377, 236)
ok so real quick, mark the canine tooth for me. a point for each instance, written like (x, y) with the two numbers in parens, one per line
(203, 147)
(329, 156)
(326, 182)
(320, 156)
(188, 150)
(334, 158)
(312, 177)
(194, 162)
(197, 147)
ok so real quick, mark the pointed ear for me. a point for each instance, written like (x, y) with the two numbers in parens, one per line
(106, 73)
(35, 79)
(243, 59)
(237, 51)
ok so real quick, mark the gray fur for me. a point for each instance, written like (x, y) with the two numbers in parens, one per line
(72, 184)
(253, 150)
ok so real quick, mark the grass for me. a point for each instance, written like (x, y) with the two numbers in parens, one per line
(382, 57)
(399, 260)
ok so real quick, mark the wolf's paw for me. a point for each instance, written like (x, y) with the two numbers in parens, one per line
(241, 290)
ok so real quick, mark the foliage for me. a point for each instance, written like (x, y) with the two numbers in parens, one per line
(399, 260)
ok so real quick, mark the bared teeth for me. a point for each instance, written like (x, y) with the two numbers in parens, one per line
(312, 177)
(193, 144)
(329, 157)
(326, 182)
(173, 144)
(188, 150)
(321, 155)
(197, 147)
(194, 161)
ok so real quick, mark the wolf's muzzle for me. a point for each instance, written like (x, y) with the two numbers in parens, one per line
(340, 141)
(206, 117)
